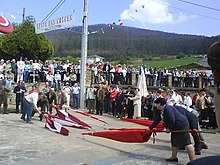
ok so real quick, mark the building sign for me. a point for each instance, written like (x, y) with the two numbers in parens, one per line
(54, 24)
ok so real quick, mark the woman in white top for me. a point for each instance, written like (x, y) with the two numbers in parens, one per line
(137, 104)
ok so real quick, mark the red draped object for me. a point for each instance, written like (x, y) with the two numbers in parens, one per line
(66, 122)
(67, 116)
(56, 127)
(144, 122)
(88, 115)
(124, 135)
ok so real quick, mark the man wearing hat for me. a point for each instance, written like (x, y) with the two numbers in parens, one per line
(178, 124)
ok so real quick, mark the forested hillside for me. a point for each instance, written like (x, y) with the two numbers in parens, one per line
(124, 41)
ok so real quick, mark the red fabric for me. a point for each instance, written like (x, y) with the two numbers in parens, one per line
(194, 99)
(129, 136)
(63, 130)
(164, 96)
(33, 91)
(144, 122)
(73, 118)
(86, 114)
(113, 95)
(67, 122)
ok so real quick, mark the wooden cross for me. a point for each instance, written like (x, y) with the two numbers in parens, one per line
(34, 75)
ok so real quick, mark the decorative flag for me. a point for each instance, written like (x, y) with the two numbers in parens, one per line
(66, 116)
(102, 30)
(120, 22)
(12, 16)
(111, 26)
(144, 122)
(5, 26)
(56, 127)
(88, 115)
(129, 136)
(65, 122)
(141, 84)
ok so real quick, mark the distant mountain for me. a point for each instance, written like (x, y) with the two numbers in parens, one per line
(120, 41)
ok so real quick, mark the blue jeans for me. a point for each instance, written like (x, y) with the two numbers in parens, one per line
(27, 110)
(75, 100)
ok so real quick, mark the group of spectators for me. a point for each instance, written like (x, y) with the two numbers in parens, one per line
(123, 102)
(57, 73)
(122, 75)
(61, 88)
(63, 78)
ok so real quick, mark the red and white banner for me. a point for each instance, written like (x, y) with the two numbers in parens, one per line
(56, 127)
(62, 114)
(69, 123)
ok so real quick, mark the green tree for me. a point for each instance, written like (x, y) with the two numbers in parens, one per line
(24, 42)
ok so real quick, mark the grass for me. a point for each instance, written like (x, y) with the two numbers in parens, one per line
(172, 63)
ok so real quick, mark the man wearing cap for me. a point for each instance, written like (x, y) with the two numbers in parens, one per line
(178, 124)
(30, 103)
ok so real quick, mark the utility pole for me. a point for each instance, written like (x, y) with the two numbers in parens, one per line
(23, 15)
(84, 43)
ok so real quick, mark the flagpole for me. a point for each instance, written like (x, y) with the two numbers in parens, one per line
(84, 43)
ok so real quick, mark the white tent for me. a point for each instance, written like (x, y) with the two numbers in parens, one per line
(142, 85)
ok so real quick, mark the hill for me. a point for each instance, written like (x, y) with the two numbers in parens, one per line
(122, 41)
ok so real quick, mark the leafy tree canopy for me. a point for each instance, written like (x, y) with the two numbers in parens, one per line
(24, 42)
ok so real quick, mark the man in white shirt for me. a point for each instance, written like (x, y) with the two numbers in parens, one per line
(30, 103)
(187, 100)
(76, 90)
(177, 98)
(20, 69)
(67, 90)
(90, 97)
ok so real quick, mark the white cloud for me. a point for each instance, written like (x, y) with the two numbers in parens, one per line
(153, 12)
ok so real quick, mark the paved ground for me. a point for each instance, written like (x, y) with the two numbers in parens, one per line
(22, 144)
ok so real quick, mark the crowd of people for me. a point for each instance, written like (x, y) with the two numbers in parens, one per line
(59, 72)
(122, 74)
(61, 87)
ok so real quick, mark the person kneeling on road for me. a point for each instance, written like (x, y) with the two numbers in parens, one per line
(30, 103)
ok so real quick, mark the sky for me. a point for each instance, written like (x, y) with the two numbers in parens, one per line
(197, 17)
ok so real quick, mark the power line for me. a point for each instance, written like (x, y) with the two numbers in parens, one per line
(53, 10)
(198, 5)
(166, 4)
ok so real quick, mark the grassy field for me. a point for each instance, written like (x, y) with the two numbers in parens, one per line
(158, 62)
(172, 63)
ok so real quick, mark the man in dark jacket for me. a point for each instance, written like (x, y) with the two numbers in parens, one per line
(19, 90)
(193, 124)
(129, 103)
(178, 125)
(52, 99)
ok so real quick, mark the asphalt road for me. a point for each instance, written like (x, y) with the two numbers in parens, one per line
(33, 144)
